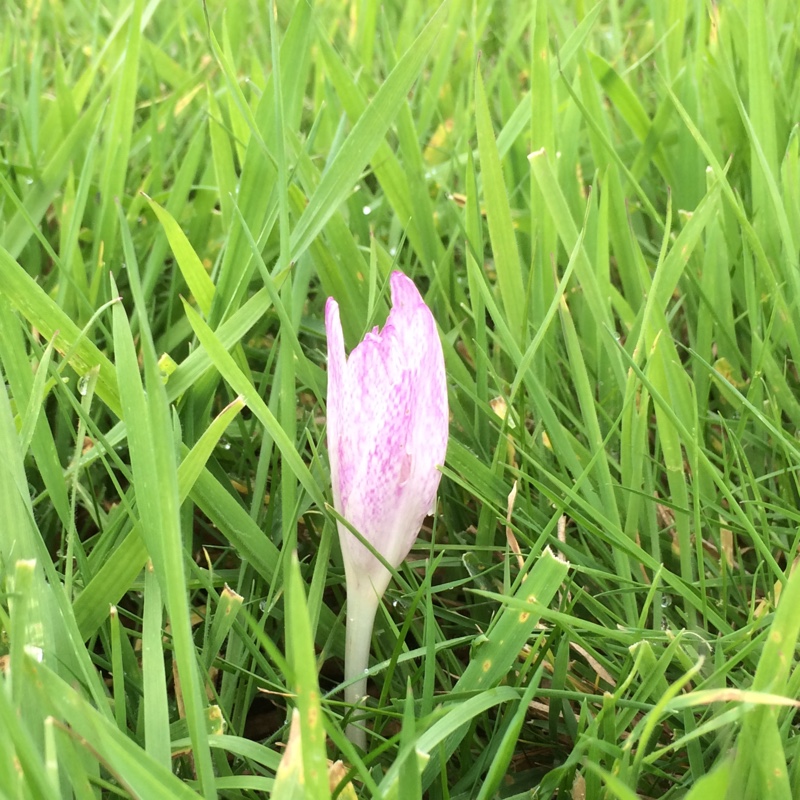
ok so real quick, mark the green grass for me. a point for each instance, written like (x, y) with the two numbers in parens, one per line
(601, 205)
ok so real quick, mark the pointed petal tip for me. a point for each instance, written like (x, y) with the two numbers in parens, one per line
(404, 290)
(331, 309)
(333, 329)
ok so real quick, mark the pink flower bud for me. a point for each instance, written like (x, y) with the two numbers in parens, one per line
(387, 428)
(387, 434)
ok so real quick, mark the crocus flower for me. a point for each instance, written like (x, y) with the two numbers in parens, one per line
(387, 434)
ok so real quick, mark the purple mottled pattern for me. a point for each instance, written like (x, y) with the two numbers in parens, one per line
(387, 429)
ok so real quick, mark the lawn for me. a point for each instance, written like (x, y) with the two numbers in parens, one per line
(599, 204)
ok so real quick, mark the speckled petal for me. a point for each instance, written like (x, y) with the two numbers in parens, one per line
(379, 394)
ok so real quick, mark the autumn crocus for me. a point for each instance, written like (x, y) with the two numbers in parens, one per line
(387, 434)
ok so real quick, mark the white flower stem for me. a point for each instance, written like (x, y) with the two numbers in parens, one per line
(362, 604)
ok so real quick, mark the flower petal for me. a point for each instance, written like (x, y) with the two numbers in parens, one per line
(411, 320)
(373, 444)
(336, 390)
